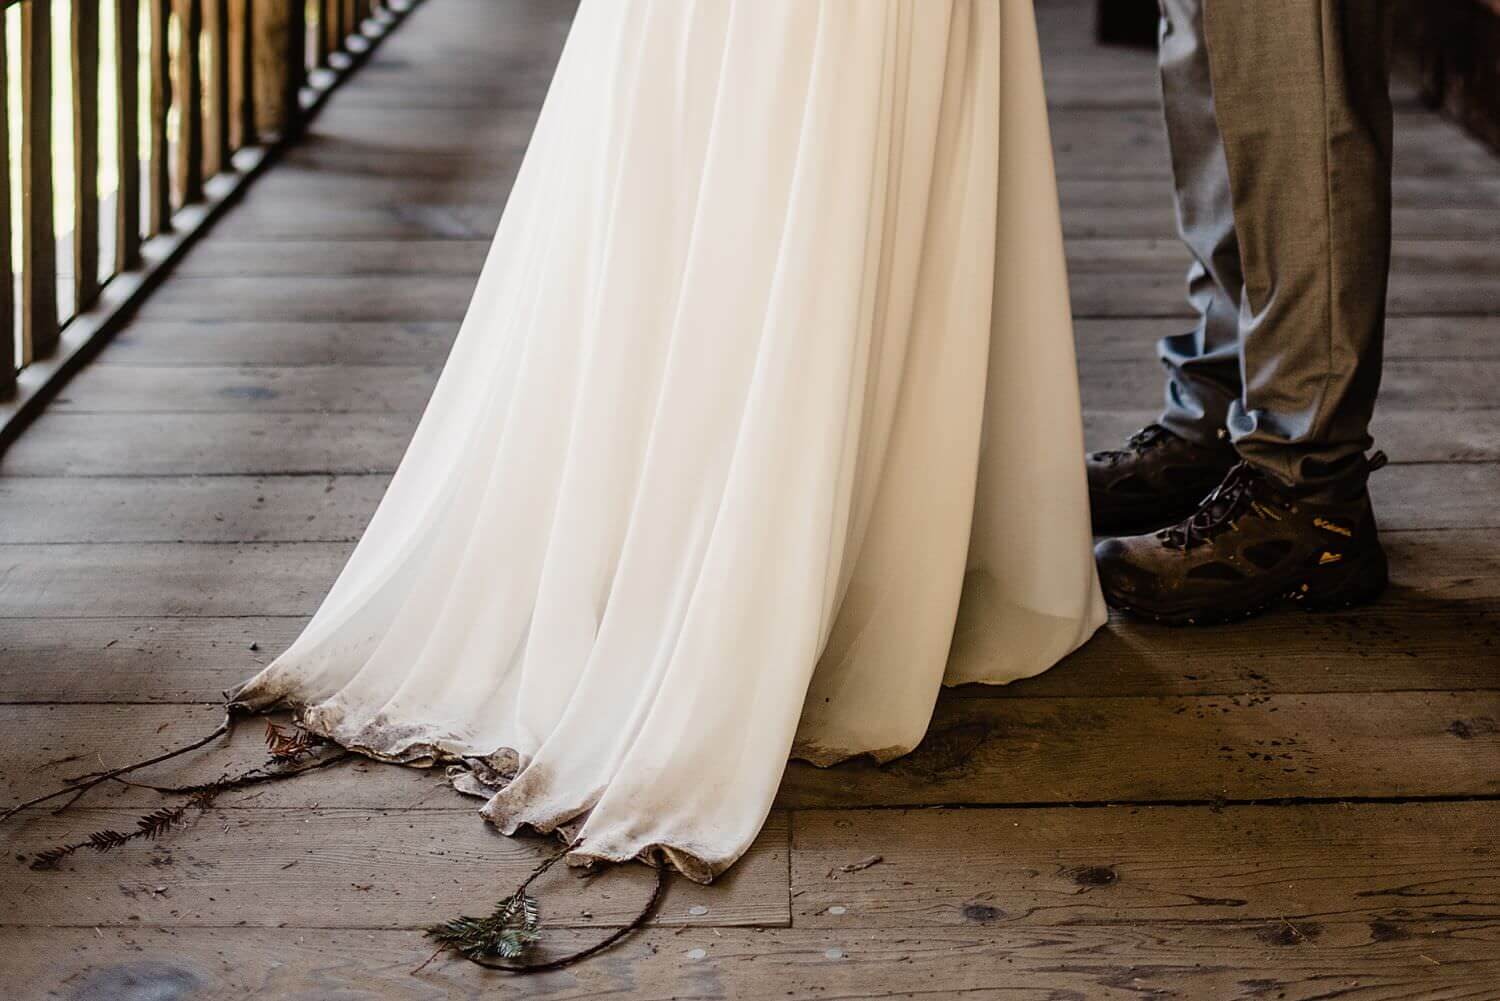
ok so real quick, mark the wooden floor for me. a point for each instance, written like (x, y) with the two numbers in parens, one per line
(1297, 807)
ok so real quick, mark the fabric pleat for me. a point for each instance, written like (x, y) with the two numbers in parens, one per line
(766, 388)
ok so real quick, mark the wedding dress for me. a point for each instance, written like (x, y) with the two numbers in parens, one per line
(770, 364)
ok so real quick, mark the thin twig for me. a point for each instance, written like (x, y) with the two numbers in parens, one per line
(76, 797)
(159, 822)
(250, 778)
(89, 782)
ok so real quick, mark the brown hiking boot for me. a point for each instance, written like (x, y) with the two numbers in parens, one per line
(1158, 478)
(1249, 545)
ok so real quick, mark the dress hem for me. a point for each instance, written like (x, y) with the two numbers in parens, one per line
(482, 775)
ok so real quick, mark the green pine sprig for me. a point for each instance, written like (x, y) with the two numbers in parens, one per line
(505, 934)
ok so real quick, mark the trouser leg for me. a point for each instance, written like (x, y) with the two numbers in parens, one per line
(1300, 91)
(1203, 364)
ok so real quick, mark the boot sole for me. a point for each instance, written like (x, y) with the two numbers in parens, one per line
(1324, 589)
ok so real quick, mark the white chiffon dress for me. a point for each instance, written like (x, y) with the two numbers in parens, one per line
(770, 368)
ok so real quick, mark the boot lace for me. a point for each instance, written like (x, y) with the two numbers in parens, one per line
(1218, 510)
(1146, 438)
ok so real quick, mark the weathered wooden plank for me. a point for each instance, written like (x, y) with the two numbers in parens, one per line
(320, 205)
(1147, 278)
(452, 181)
(1410, 961)
(289, 342)
(286, 579)
(209, 444)
(1425, 385)
(1405, 643)
(136, 660)
(318, 152)
(226, 258)
(1083, 74)
(370, 297)
(187, 509)
(1109, 278)
(294, 389)
(1155, 219)
(1408, 435)
(361, 868)
(155, 444)
(284, 220)
(334, 508)
(1364, 863)
(978, 751)
(1430, 386)
(1252, 747)
(1446, 338)
(1408, 384)
(1442, 207)
(186, 578)
(461, 84)
(1132, 143)
(83, 740)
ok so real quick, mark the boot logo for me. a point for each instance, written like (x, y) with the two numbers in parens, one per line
(1327, 558)
(1329, 526)
(1264, 511)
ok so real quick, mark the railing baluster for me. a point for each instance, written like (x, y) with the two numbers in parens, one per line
(333, 22)
(10, 359)
(280, 66)
(217, 149)
(190, 100)
(320, 36)
(161, 103)
(128, 135)
(244, 45)
(39, 320)
(295, 70)
(85, 44)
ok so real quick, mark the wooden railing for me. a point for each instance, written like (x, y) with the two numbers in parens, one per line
(180, 102)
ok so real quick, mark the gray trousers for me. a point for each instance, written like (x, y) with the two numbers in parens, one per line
(1279, 121)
